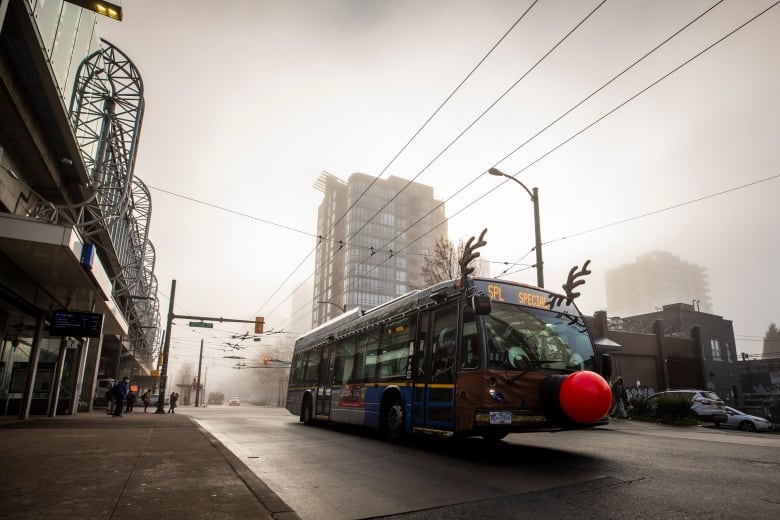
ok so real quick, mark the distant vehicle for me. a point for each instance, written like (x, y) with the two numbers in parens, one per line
(745, 422)
(234, 401)
(155, 398)
(216, 398)
(102, 386)
(705, 405)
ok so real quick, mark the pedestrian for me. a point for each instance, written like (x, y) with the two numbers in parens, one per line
(619, 399)
(146, 398)
(110, 399)
(174, 398)
(131, 398)
(120, 394)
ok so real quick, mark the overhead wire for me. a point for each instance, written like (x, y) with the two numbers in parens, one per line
(453, 141)
(604, 116)
(403, 148)
(612, 111)
(587, 127)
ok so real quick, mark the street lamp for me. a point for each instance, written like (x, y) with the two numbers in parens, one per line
(342, 308)
(535, 199)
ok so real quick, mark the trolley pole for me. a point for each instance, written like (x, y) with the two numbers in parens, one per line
(200, 364)
(166, 348)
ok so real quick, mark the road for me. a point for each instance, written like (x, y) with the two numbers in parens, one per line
(625, 470)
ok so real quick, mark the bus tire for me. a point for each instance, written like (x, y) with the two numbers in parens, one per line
(494, 436)
(393, 419)
(306, 416)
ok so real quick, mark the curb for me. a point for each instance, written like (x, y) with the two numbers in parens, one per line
(275, 506)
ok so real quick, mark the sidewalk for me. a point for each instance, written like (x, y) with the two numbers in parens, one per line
(91, 465)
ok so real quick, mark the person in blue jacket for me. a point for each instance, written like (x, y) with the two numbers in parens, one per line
(120, 394)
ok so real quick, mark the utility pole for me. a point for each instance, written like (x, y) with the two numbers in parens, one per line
(258, 321)
(166, 348)
(200, 364)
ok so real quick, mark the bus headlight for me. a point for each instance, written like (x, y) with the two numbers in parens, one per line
(497, 396)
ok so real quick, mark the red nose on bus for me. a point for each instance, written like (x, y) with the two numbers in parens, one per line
(585, 396)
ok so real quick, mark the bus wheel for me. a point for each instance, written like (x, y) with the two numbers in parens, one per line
(394, 420)
(494, 436)
(306, 415)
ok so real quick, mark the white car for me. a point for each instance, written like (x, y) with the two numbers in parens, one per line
(745, 422)
(234, 401)
(705, 405)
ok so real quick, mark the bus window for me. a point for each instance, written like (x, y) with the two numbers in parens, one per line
(422, 344)
(345, 361)
(391, 361)
(312, 365)
(297, 376)
(443, 353)
(469, 347)
(365, 356)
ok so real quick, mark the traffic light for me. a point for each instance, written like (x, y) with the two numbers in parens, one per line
(265, 360)
(194, 383)
(259, 322)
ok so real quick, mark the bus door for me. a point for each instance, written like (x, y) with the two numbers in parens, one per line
(325, 380)
(419, 380)
(436, 402)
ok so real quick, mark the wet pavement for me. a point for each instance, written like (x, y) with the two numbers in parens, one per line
(141, 465)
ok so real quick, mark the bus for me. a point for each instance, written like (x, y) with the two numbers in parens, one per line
(487, 360)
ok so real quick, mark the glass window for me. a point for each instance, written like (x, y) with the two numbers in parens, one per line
(365, 357)
(298, 368)
(524, 338)
(312, 365)
(469, 347)
(443, 352)
(345, 361)
(715, 349)
(391, 359)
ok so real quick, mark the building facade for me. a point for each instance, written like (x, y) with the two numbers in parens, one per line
(676, 347)
(654, 280)
(372, 238)
(78, 294)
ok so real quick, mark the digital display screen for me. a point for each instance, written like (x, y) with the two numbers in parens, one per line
(77, 324)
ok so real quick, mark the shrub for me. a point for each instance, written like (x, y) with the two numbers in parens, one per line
(673, 408)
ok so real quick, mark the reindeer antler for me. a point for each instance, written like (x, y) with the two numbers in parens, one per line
(469, 254)
(571, 284)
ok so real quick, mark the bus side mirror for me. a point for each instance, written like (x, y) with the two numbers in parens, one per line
(481, 304)
(606, 367)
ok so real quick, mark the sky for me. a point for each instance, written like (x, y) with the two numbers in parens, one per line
(248, 101)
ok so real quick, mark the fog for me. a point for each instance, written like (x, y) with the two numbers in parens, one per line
(248, 101)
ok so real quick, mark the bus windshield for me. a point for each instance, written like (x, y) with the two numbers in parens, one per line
(526, 338)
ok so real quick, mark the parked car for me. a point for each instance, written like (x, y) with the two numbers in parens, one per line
(155, 398)
(706, 405)
(745, 422)
(234, 401)
(101, 388)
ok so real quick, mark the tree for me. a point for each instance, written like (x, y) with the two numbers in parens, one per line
(186, 373)
(272, 376)
(442, 265)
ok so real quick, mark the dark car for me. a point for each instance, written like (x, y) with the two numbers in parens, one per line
(705, 405)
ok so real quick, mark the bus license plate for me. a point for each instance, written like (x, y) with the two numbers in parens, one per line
(500, 417)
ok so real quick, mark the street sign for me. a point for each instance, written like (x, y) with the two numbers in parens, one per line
(202, 324)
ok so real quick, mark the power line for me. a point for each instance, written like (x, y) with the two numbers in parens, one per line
(587, 127)
(403, 148)
(675, 206)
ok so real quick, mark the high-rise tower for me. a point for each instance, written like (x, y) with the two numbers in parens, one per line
(654, 280)
(372, 234)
